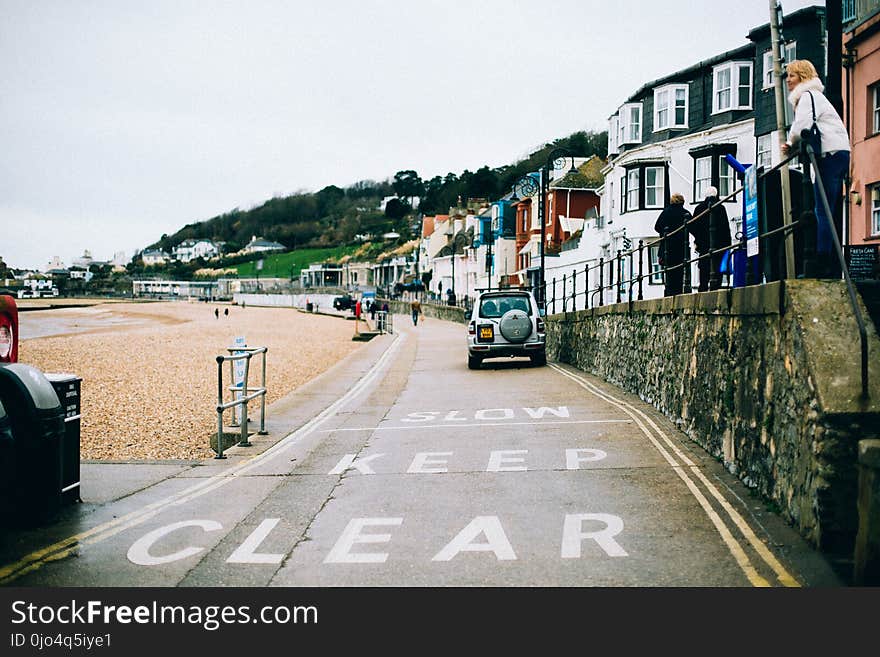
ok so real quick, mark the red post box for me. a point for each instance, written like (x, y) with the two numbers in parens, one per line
(8, 329)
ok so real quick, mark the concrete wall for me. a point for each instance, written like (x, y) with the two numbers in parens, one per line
(765, 378)
(449, 313)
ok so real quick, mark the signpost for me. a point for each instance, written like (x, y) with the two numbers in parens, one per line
(238, 377)
(750, 206)
(862, 261)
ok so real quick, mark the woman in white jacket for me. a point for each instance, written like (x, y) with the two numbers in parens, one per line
(803, 83)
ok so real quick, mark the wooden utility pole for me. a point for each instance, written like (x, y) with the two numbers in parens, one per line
(785, 184)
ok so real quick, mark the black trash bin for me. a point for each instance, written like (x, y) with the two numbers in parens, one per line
(36, 418)
(68, 388)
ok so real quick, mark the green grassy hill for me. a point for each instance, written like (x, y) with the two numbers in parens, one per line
(289, 265)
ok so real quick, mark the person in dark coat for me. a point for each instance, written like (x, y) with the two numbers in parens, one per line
(672, 246)
(711, 232)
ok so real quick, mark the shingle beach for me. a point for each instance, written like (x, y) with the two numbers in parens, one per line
(149, 370)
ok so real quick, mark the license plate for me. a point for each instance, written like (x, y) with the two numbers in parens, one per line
(487, 333)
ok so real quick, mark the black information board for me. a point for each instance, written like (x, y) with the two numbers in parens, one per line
(862, 261)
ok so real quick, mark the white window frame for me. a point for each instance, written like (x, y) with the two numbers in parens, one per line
(732, 90)
(666, 100)
(613, 128)
(658, 187)
(655, 273)
(726, 178)
(630, 131)
(764, 150)
(632, 193)
(702, 184)
(789, 54)
(875, 210)
(875, 110)
(622, 194)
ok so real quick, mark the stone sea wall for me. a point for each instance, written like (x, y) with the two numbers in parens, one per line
(765, 378)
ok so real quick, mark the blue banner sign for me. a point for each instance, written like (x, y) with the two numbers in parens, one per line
(750, 208)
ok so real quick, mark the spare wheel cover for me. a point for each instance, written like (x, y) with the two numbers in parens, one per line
(515, 326)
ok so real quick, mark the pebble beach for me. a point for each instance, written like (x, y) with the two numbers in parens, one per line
(149, 370)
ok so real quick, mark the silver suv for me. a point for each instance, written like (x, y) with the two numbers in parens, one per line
(506, 323)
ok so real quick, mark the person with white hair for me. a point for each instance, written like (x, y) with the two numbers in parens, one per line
(711, 232)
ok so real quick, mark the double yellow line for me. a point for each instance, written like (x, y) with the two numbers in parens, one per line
(684, 468)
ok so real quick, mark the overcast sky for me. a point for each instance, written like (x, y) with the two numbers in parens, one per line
(122, 120)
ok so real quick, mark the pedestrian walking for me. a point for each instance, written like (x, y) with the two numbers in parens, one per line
(812, 108)
(216, 313)
(670, 225)
(373, 305)
(226, 311)
(711, 231)
(416, 310)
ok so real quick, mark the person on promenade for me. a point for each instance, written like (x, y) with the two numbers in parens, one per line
(672, 247)
(226, 312)
(806, 97)
(373, 305)
(216, 313)
(416, 310)
(711, 231)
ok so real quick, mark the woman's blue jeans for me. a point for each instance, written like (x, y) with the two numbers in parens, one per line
(833, 170)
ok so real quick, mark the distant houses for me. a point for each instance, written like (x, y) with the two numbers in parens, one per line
(260, 245)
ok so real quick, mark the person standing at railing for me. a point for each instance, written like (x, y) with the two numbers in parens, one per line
(670, 226)
(809, 103)
(711, 231)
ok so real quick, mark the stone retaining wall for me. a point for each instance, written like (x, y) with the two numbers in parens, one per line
(449, 313)
(765, 378)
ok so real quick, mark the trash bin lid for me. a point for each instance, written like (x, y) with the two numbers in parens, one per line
(41, 391)
(60, 377)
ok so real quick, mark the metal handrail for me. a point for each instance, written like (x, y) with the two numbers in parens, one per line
(237, 354)
(615, 261)
(863, 334)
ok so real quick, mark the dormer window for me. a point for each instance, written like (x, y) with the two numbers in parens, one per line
(670, 107)
(630, 124)
(732, 87)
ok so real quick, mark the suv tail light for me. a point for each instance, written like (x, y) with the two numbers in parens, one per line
(472, 328)
(8, 330)
(540, 325)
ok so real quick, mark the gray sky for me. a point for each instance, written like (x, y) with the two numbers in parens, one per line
(123, 120)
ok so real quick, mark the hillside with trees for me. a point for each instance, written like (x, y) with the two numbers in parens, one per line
(336, 216)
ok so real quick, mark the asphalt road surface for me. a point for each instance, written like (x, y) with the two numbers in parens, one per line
(401, 467)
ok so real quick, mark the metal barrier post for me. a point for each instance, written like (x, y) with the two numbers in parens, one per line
(243, 441)
(219, 449)
(601, 281)
(618, 263)
(586, 287)
(263, 431)
(641, 262)
(574, 288)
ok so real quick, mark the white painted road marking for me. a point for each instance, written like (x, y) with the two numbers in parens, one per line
(497, 460)
(447, 427)
(139, 552)
(341, 552)
(491, 528)
(736, 550)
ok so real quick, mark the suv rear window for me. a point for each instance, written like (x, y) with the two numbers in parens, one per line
(494, 307)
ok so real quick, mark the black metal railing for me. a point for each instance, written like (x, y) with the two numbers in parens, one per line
(610, 279)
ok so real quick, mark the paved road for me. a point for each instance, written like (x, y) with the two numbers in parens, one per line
(402, 467)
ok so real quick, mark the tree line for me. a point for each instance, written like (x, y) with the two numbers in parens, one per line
(336, 216)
